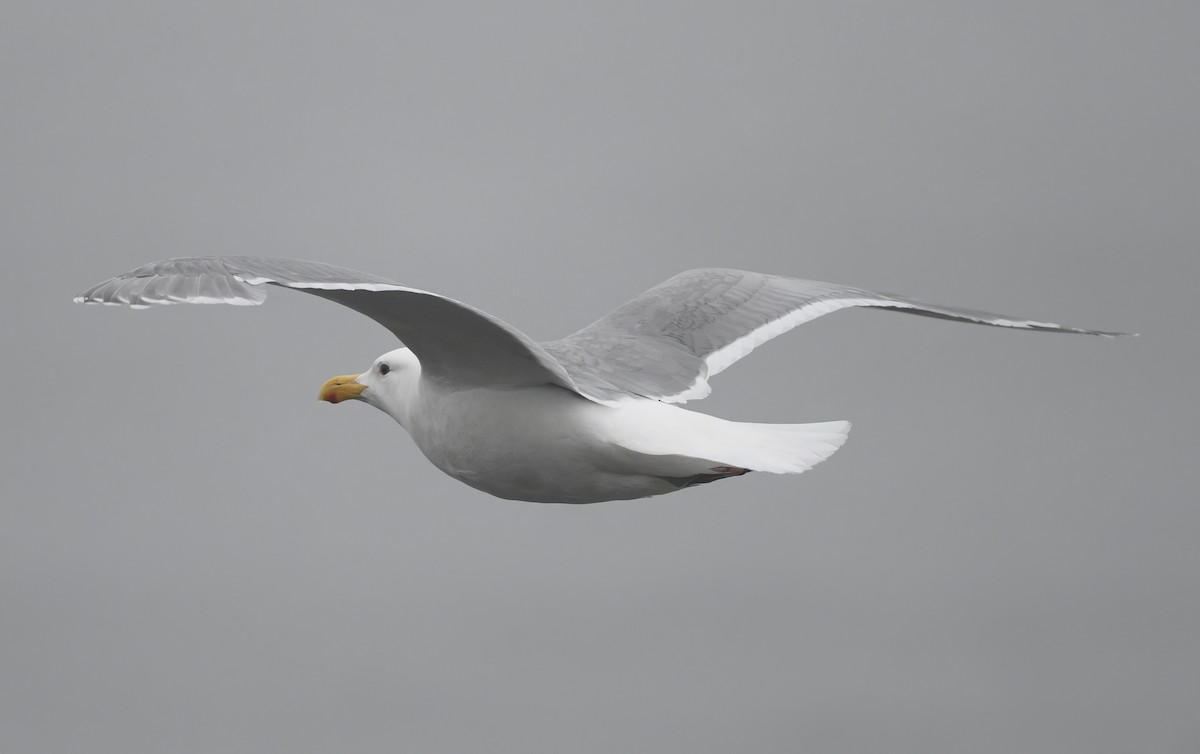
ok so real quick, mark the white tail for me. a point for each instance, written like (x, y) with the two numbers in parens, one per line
(781, 448)
(687, 442)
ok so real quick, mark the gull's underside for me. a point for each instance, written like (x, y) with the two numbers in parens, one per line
(659, 348)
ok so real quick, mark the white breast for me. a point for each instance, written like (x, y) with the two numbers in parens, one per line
(542, 444)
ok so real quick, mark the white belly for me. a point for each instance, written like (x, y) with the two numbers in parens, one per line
(539, 444)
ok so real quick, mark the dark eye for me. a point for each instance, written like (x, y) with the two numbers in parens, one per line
(384, 369)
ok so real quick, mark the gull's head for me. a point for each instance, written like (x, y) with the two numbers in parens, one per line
(387, 385)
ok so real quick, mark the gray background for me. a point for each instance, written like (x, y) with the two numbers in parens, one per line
(197, 556)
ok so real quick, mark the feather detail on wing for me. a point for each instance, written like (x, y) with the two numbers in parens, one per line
(455, 342)
(667, 342)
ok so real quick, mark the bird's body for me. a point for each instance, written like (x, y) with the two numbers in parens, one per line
(588, 418)
(543, 443)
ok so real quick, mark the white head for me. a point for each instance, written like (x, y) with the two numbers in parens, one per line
(389, 385)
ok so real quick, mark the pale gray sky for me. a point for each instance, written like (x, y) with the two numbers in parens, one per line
(196, 556)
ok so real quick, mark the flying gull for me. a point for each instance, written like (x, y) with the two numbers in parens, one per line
(584, 419)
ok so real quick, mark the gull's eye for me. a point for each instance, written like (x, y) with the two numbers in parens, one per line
(384, 369)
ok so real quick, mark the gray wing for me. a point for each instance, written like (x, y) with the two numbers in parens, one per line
(666, 343)
(455, 342)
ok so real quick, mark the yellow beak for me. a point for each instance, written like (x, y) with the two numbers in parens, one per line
(341, 388)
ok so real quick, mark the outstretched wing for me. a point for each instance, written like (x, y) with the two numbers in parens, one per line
(666, 343)
(456, 343)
